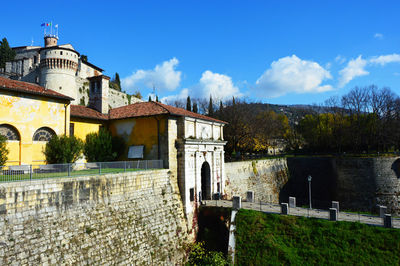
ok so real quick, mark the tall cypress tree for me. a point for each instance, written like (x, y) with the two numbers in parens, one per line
(117, 80)
(150, 98)
(221, 107)
(195, 109)
(6, 53)
(210, 107)
(188, 104)
(157, 99)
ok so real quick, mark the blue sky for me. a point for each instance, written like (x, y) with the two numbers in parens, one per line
(285, 52)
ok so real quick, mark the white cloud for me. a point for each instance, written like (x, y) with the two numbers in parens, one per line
(340, 59)
(163, 77)
(292, 74)
(385, 59)
(354, 68)
(217, 85)
(184, 93)
(378, 36)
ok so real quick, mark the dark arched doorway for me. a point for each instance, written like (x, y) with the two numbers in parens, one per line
(205, 181)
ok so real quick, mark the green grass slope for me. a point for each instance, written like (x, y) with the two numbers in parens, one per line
(265, 239)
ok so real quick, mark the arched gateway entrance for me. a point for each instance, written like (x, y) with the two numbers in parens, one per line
(205, 181)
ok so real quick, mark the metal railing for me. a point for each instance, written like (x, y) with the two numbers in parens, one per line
(13, 173)
(305, 212)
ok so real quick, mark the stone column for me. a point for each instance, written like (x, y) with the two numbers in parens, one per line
(333, 214)
(292, 202)
(284, 208)
(382, 211)
(387, 221)
(250, 196)
(236, 202)
(335, 205)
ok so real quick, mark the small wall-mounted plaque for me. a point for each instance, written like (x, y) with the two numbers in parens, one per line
(136, 152)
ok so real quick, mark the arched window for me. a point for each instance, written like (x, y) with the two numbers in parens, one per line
(43, 134)
(10, 132)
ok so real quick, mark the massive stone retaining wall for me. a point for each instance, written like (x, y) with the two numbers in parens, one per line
(357, 183)
(265, 177)
(127, 218)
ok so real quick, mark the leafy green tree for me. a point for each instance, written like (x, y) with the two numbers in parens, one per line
(6, 53)
(3, 150)
(63, 149)
(99, 147)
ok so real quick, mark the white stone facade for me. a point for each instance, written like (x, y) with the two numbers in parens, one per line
(200, 161)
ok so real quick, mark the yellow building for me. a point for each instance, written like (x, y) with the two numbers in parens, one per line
(29, 116)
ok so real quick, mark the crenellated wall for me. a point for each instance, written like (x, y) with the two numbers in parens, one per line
(129, 218)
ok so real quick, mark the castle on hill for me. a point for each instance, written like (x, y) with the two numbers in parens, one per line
(62, 69)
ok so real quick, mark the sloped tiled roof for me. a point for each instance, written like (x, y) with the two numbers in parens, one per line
(154, 108)
(30, 88)
(85, 112)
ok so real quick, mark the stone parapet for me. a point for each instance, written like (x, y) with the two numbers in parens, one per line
(126, 218)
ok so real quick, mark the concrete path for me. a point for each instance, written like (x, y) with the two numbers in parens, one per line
(321, 214)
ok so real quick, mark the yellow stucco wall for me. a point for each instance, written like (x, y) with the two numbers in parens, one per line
(27, 114)
(82, 127)
(140, 131)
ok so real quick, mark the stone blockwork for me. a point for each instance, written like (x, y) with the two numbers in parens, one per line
(127, 218)
(359, 184)
(265, 177)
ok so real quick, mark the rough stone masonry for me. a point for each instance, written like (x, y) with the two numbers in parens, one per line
(127, 218)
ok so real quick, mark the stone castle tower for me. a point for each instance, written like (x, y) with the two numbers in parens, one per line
(58, 67)
(61, 68)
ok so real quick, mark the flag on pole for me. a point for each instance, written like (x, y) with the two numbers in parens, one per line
(43, 24)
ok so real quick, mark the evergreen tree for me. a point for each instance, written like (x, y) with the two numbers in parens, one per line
(84, 58)
(150, 98)
(188, 104)
(221, 107)
(117, 80)
(233, 100)
(6, 53)
(210, 107)
(195, 109)
(157, 99)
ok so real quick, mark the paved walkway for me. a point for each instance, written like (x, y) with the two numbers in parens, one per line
(321, 214)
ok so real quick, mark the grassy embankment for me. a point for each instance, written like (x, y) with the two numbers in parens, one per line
(264, 239)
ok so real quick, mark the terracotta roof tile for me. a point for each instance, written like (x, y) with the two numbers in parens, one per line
(26, 87)
(85, 112)
(154, 108)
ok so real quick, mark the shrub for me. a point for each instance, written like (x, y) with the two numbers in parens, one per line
(200, 256)
(102, 147)
(63, 149)
(3, 150)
